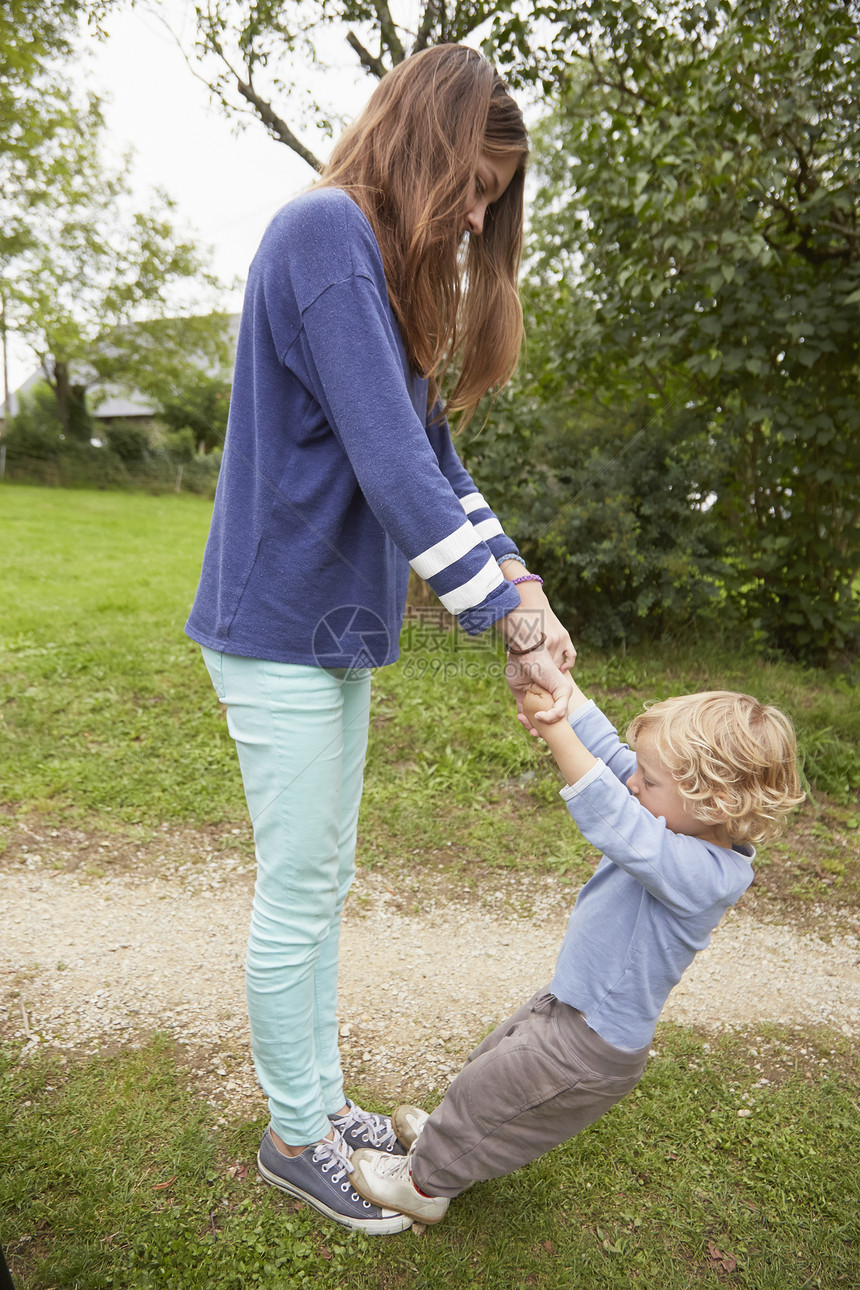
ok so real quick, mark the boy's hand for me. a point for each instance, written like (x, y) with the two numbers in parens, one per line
(536, 700)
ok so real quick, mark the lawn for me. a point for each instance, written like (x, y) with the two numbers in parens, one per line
(110, 1171)
(111, 1175)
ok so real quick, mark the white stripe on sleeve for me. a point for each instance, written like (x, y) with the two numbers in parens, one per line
(448, 551)
(473, 502)
(487, 529)
(471, 593)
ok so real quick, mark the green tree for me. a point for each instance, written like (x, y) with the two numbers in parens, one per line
(92, 287)
(248, 52)
(201, 406)
(702, 186)
(37, 39)
(34, 115)
(77, 263)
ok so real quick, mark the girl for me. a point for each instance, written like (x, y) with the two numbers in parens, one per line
(338, 475)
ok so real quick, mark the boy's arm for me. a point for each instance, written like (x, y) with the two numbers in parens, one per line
(600, 737)
(572, 757)
(577, 699)
(676, 870)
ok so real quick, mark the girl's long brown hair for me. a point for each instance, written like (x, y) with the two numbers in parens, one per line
(408, 162)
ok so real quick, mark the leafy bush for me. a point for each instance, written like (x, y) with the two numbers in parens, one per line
(36, 431)
(39, 452)
(127, 441)
(179, 444)
(201, 407)
(608, 511)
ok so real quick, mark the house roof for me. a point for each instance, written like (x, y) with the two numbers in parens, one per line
(113, 403)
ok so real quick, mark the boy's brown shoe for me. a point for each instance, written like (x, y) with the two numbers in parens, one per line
(407, 1122)
(387, 1181)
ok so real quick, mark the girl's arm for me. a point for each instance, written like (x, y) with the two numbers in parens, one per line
(524, 626)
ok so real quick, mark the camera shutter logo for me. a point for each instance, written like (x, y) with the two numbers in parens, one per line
(350, 636)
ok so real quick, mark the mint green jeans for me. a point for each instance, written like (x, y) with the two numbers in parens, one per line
(301, 736)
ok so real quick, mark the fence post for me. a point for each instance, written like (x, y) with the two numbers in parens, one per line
(178, 479)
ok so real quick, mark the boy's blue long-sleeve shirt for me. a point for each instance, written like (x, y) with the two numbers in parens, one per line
(650, 905)
(334, 478)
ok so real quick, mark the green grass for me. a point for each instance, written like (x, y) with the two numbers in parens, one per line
(111, 1174)
(111, 1177)
(107, 713)
(108, 720)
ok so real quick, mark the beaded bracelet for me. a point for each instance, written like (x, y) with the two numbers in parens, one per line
(527, 577)
(513, 556)
(531, 649)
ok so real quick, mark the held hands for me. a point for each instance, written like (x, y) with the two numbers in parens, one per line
(536, 702)
(556, 735)
(538, 668)
(572, 757)
(548, 666)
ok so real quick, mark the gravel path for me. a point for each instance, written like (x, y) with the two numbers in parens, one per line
(94, 960)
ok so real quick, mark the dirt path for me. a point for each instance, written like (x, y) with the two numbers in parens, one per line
(90, 958)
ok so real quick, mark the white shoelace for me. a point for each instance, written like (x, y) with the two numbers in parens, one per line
(337, 1152)
(393, 1167)
(379, 1131)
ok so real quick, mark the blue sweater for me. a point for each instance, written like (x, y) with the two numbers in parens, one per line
(334, 478)
(650, 905)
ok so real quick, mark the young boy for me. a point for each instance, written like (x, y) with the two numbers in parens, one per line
(676, 821)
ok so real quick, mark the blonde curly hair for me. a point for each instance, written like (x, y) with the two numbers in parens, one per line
(733, 759)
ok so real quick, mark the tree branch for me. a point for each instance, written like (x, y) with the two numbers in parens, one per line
(620, 86)
(278, 128)
(804, 247)
(428, 18)
(659, 386)
(373, 64)
(388, 37)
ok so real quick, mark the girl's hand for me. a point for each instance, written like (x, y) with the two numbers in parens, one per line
(549, 667)
(534, 616)
(539, 669)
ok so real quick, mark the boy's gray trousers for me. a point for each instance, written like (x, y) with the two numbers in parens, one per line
(539, 1078)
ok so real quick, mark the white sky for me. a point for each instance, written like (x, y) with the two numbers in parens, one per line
(227, 185)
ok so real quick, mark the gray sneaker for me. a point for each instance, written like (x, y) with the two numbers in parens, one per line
(320, 1176)
(364, 1129)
